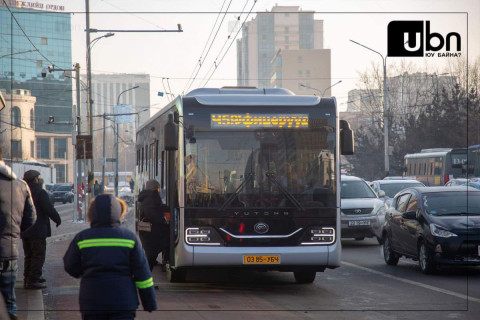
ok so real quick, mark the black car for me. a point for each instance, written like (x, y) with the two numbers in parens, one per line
(63, 192)
(436, 225)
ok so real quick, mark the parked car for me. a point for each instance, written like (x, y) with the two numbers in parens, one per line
(399, 178)
(363, 213)
(63, 192)
(387, 189)
(434, 225)
(456, 182)
(474, 184)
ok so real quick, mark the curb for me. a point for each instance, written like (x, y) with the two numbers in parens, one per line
(29, 302)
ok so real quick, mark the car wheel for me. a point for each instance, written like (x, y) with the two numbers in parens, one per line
(425, 259)
(71, 200)
(359, 238)
(390, 256)
(379, 240)
(304, 276)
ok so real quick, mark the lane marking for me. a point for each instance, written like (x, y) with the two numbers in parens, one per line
(415, 283)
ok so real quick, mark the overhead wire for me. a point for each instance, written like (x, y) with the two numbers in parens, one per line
(233, 40)
(199, 63)
(211, 44)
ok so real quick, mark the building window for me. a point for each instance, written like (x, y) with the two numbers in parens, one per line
(16, 149)
(39, 63)
(32, 119)
(287, 40)
(43, 148)
(61, 172)
(44, 41)
(307, 73)
(300, 59)
(300, 73)
(59, 148)
(32, 149)
(286, 30)
(287, 14)
(16, 117)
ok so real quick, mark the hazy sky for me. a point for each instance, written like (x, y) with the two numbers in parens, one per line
(175, 55)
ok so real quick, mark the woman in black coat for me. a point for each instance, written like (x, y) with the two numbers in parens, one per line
(152, 210)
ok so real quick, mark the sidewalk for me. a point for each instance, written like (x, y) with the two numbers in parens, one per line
(29, 302)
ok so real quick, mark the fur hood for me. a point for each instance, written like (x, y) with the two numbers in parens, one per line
(7, 171)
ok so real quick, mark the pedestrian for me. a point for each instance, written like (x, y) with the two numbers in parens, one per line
(132, 185)
(17, 214)
(153, 210)
(111, 263)
(96, 188)
(35, 241)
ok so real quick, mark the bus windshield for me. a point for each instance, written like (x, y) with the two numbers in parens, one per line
(275, 168)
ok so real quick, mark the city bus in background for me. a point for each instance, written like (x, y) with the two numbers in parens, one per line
(435, 167)
(474, 161)
(251, 177)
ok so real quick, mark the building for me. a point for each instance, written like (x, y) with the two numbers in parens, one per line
(21, 142)
(106, 92)
(273, 40)
(42, 39)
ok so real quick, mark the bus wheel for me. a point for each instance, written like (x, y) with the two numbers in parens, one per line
(304, 276)
(176, 275)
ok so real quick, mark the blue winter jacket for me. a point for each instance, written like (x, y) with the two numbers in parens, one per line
(111, 262)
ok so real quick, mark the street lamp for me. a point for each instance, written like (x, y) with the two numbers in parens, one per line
(90, 45)
(385, 117)
(116, 141)
(322, 92)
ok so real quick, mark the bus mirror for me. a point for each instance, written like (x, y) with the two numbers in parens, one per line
(346, 138)
(176, 117)
(171, 134)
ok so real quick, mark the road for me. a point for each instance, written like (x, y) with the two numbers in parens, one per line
(363, 288)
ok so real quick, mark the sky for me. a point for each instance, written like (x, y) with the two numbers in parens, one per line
(175, 55)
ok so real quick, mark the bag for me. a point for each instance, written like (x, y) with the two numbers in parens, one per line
(144, 226)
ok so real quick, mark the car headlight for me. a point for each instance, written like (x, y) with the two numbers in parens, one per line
(438, 231)
(381, 210)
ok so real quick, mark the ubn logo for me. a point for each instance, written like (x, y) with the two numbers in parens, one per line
(408, 39)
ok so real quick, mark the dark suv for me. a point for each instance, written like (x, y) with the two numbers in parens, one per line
(436, 225)
(63, 193)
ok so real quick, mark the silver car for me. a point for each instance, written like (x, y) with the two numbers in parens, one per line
(363, 213)
(387, 189)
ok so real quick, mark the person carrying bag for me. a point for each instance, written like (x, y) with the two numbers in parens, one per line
(152, 217)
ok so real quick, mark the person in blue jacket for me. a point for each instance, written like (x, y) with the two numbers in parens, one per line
(111, 262)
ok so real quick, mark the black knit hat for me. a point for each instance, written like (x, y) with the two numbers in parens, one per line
(30, 175)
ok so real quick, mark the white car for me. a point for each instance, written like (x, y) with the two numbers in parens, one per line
(363, 213)
(387, 189)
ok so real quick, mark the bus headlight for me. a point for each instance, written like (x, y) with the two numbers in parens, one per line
(319, 236)
(206, 236)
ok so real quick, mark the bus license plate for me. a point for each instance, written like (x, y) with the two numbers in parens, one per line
(271, 259)
(355, 223)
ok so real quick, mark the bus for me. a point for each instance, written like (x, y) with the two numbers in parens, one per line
(474, 161)
(435, 167)
(251, 177)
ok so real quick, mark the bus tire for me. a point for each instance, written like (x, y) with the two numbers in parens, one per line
(304, 276)
(176, 275)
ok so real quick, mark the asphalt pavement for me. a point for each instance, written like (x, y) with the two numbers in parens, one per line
(364, 287)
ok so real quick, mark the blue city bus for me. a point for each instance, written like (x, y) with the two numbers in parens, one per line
(251, 177)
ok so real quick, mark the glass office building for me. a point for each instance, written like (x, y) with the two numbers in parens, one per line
(21, 63)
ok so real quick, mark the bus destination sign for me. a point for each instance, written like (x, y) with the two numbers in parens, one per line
(248, 121)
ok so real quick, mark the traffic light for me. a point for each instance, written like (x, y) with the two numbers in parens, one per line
(51, 119)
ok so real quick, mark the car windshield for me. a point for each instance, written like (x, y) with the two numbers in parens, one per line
(452, 203)
(355, 189)
(391, 189)
(64, 188)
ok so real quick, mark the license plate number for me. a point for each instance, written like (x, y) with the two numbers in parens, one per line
(270, 259)
(358, 223)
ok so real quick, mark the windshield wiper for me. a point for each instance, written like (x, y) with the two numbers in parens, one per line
(289, 196)
(237, 192)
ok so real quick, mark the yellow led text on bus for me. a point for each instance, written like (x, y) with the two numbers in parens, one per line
(248, 120)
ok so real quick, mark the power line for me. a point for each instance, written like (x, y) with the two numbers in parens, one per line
(211, 44)
(199, 63)
(233, 40)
